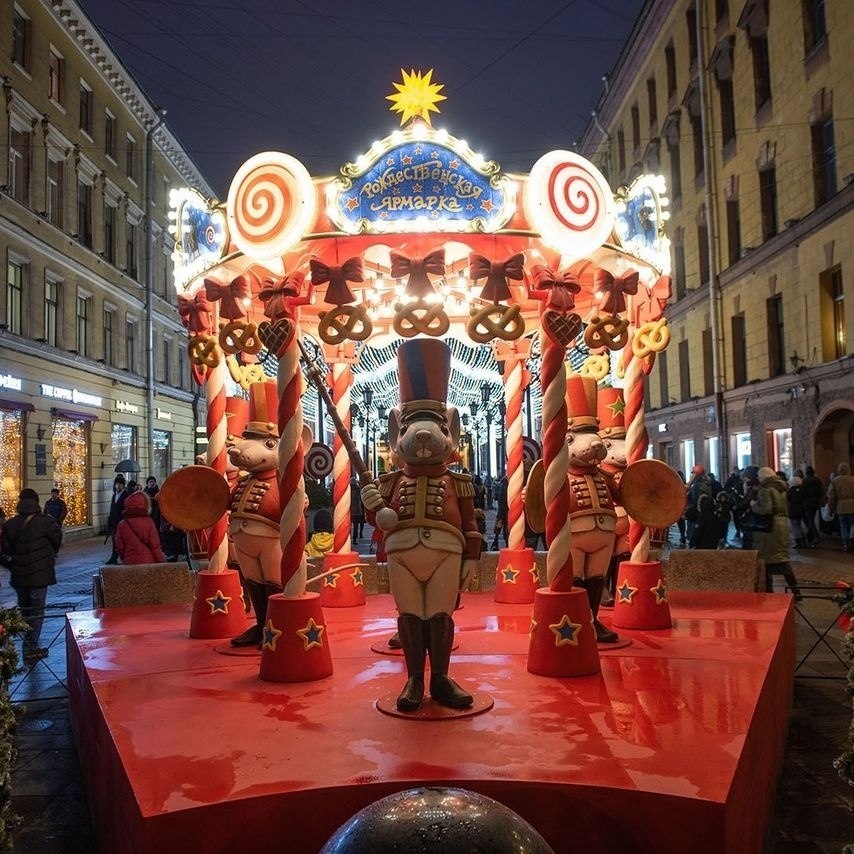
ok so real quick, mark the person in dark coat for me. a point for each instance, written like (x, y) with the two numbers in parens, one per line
(56, 507)
(711, 525)
(357, 511)
(32, 540)
(795, 502)
(117, 509)
(813, 492)
(742, 510)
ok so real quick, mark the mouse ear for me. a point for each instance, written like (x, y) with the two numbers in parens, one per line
(393, 427)
(453, 416)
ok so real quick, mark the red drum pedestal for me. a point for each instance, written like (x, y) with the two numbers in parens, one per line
(640, 599)
(563, 642)
(218, 607)
(295, 645)
(515, 576)
(346, 588)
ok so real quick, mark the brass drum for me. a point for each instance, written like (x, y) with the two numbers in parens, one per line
(535, 498)
(193, 497)
(652, 493)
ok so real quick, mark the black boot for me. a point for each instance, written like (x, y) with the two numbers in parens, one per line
(411, 631)
(594, 587)
(252, 636)
(394, 641)
(443, 689)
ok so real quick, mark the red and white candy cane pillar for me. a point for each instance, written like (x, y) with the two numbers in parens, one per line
(641, 596)
(516, 573)
(563, 642)
(346, 588)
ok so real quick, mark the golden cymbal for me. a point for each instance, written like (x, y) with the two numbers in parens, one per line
(193, 497)
(535, 498)
(652, 493)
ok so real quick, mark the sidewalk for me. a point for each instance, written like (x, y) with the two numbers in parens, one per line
(812, 812)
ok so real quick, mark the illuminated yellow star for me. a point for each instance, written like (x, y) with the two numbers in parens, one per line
(416, 96)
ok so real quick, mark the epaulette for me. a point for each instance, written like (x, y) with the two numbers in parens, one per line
(462, 484)
(386, 482)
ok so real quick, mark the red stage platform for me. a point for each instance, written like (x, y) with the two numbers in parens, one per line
(674, 747)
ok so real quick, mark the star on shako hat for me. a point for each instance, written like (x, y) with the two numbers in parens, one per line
(611, 408)
(263, 407)
(424, 370)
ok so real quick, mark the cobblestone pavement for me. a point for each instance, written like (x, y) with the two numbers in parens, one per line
(813, 806)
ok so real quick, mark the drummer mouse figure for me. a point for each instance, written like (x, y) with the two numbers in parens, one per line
(427, 515)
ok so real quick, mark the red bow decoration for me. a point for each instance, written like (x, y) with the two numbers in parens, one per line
(230, 296)
(282, 296)
(337, 293)
(196, 313)
(496, 274)
(417, 269)
(614, 290)
(648, 304)
(557, 289)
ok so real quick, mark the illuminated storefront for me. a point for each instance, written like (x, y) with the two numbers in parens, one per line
(162, 465)
(71, 466)
(124, 442)
(11, 455)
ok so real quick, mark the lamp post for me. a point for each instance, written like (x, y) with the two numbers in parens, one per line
(368, 398)
(476, 466)
(502, 436)
(484, 397)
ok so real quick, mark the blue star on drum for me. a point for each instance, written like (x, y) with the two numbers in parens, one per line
(625, 593)
(659, 591)
(311, 634)
(219, 602)
(270, 635)
(509, 575)
(565, 632)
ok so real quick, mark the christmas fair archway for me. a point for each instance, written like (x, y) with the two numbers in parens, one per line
(422, 236)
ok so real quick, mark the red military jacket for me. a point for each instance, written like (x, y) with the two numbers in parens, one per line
(256, 496)
(591, 492)
(433, 497)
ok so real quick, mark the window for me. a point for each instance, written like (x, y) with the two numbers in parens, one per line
(686, 454)
(21, 39)
(651, 100)
(697, 137)
(110, 135)
(733, 230)
(84, 213)
(130, 345)
(768, 202)
(162, 465)
(713, 454)
(14, 295)
(123, 443)
(635, 128)
(708, 363)
(823, 161)
(663, 385)
(832, 306)
(108, 320)
(739, 350)
(761, 71)
(743, 450)
(776, 344)
(167, 360)
(132, 256)
(684, 372)
(670, 60)
(779, 447)
(83, 303)
(11, 458)
(703, 249)
(721, 10)
(110, 233)
(86, 99)
(675, 170)
(621, 152)
(691, 23)
(55, 199)
(815, 25)
(679, 269)
(20, 160)
(130, 160)
(56, 76)
(727, 102)
(182, 373)
(52, 290)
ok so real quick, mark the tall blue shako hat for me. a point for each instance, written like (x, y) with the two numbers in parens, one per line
(424, 370)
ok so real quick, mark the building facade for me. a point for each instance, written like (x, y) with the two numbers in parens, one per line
(92, 352)
(745, 106)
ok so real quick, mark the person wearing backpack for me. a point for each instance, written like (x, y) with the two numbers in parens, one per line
(699, 485)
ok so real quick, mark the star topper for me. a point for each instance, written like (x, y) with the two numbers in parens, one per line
(416, 96)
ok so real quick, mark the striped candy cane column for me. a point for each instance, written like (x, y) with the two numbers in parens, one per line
(217, 430)
(637, 443)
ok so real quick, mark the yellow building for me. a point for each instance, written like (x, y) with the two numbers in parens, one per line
(92, 364)
(747, 108)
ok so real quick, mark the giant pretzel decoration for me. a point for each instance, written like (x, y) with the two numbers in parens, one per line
(203, 351)
(345, 323)
(237, 336)
(408, 322)
(508, 325)
(244, 375)
(651, 337)
(596, 367)
(607, 331)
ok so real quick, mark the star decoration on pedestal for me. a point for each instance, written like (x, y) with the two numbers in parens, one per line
(566, 632)
(270, 635)
(219, 602)
(617, 407)
(625, 592)
(535, 574)
(509, 575)
(311, 634)
(659, 591)
(358, 578)
(331, 580)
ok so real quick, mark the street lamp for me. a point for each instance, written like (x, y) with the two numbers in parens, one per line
(502, 456)
(484, 397)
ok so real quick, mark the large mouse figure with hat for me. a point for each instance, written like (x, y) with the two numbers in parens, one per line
(253, 526)
(427, 515)
(592, 494)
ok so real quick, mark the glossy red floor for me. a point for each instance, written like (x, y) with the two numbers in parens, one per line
(674, 747)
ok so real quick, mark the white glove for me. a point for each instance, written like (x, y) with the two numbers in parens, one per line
(371, 498)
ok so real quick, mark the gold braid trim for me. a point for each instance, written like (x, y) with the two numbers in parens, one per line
(463, 484)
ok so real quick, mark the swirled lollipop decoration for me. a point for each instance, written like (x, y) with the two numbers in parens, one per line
(271, 204)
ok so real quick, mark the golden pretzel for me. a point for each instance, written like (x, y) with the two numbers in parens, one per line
(345, 323)
(508, 325)
(239, 337)
(596, 367)
(244, 375)
(620, 368)
(408, 323)
(203, 351)
(610, 332)
(651, 337)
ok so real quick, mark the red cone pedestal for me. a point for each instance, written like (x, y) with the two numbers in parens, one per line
(295, 643)
(640, 600)
(218, 607)
(515, 576)
(563, 642)
(346, 588)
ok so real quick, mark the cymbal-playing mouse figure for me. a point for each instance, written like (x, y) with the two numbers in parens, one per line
(427, 515)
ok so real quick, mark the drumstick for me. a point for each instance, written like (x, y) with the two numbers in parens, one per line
(333, 571)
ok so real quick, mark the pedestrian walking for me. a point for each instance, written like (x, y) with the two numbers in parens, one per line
(840, 498)
(117, 506)
(137, 539)
(813, 495)
(56, 507)
(357, 510)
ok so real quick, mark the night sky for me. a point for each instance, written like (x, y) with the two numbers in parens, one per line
(310, 78)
